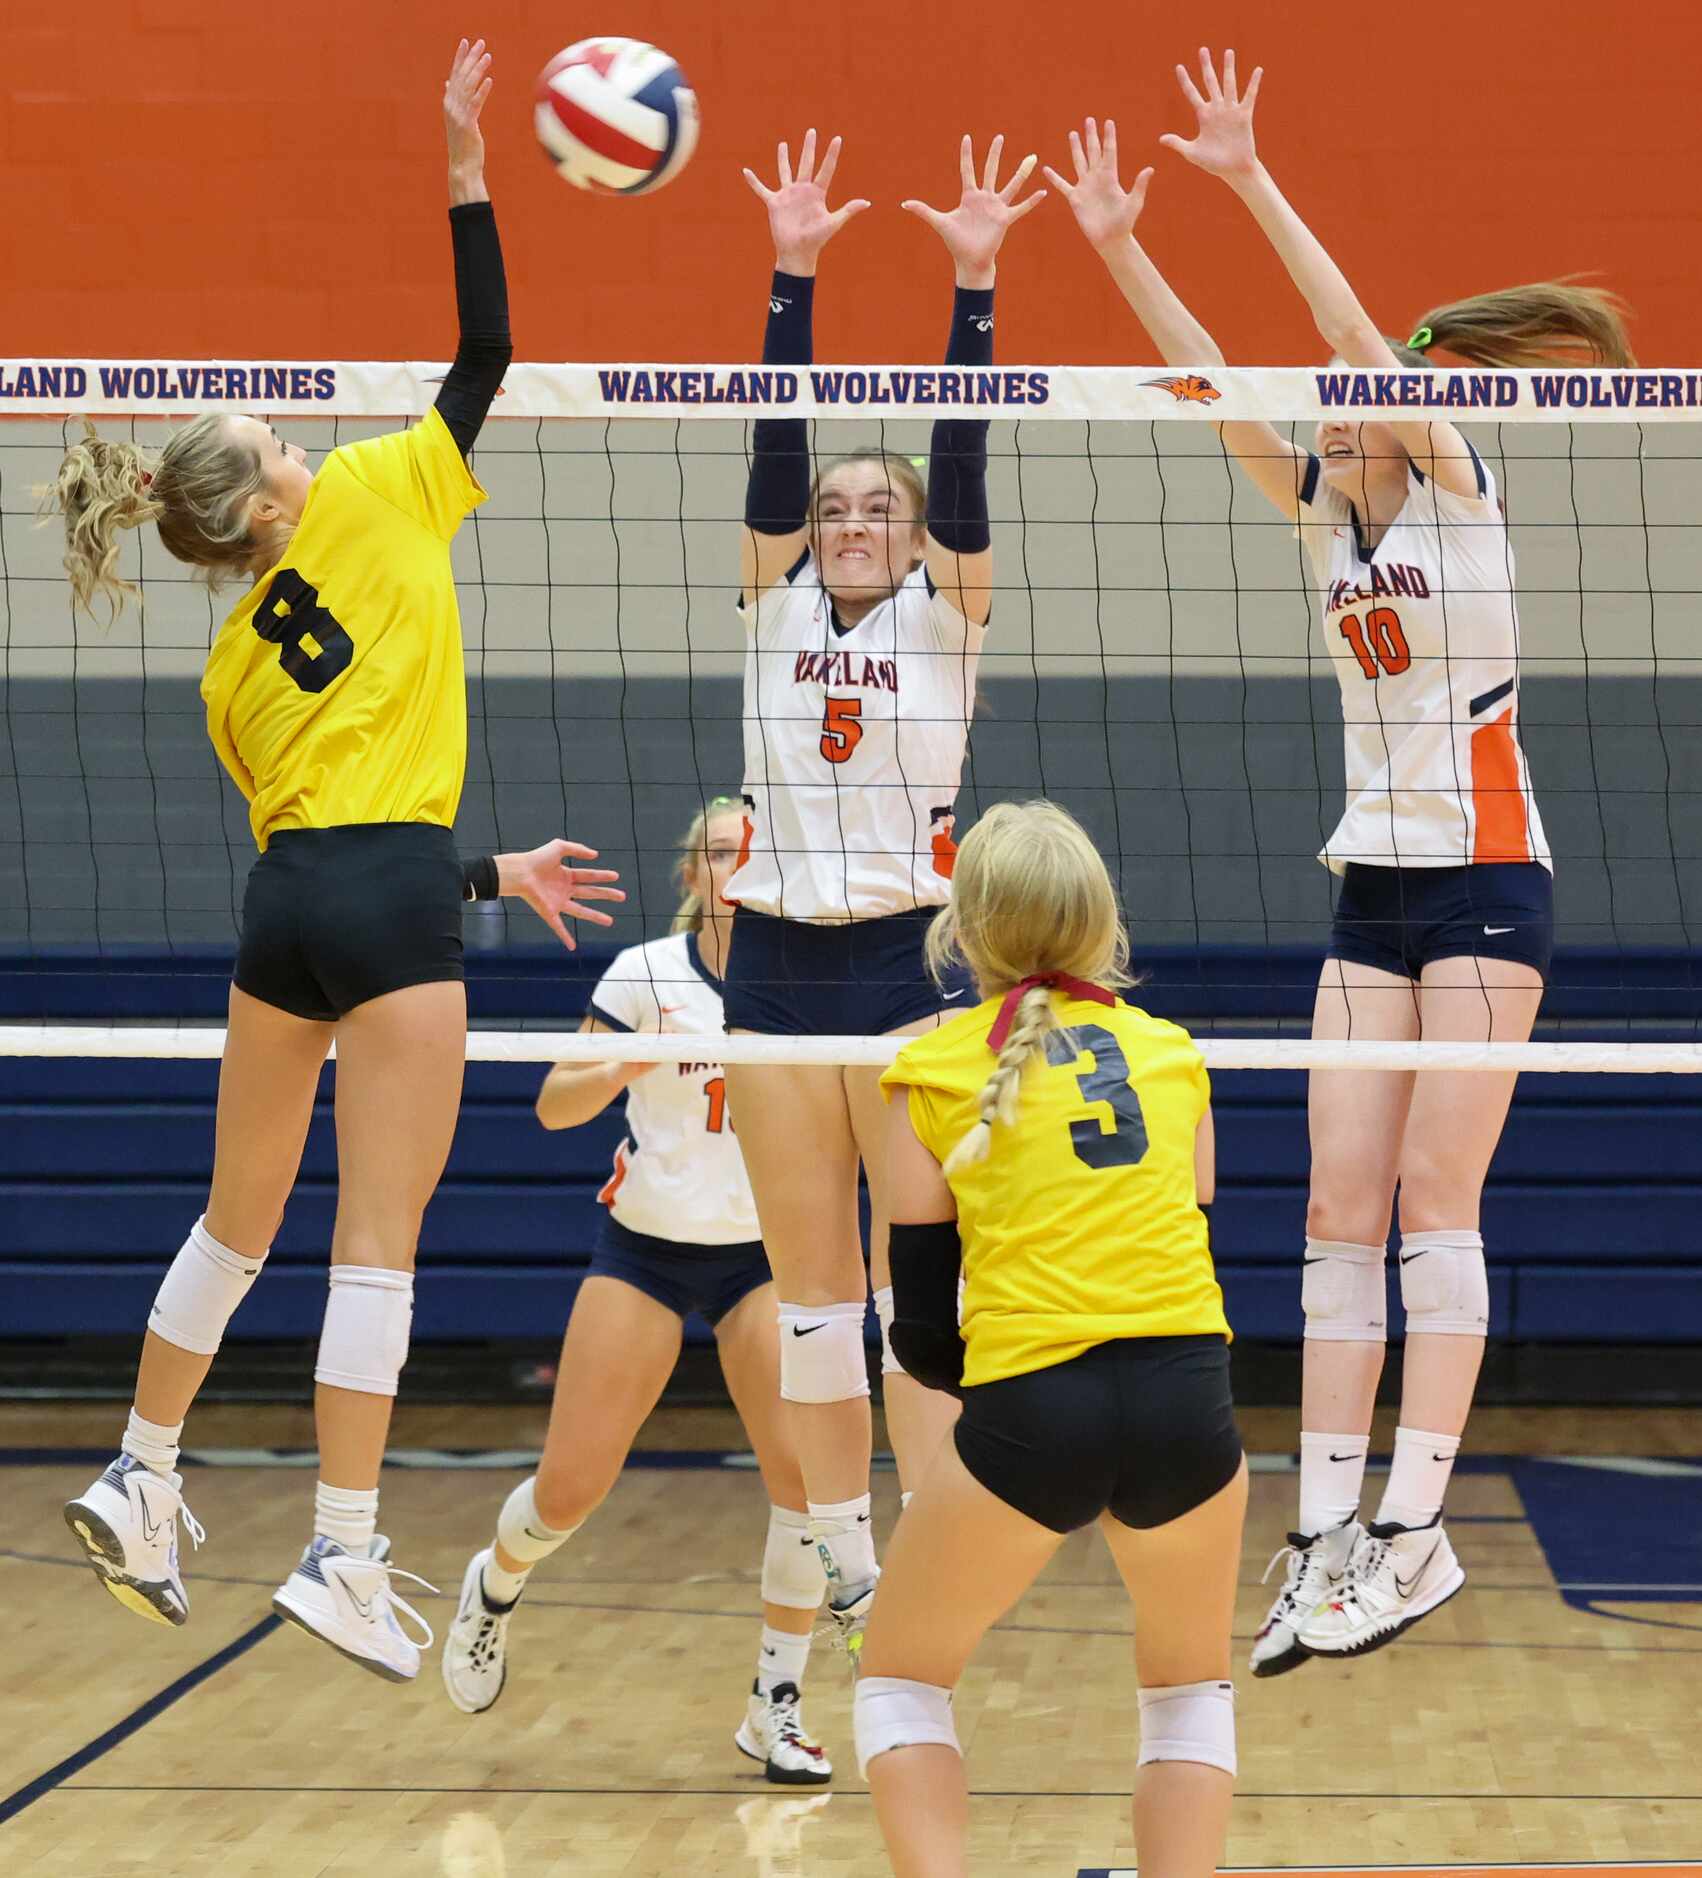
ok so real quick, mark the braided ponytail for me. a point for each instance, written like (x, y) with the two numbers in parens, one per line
(1033, 1022)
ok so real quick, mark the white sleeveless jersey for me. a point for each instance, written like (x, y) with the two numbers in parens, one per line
(854, 746)
(1424, 634)
(679, 1173)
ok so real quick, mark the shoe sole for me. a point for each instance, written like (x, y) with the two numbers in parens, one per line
(476, 1562)
(282, 1608)
(780, 1776)
(105, 1552)
(1383, 1637)
(1291, 1658)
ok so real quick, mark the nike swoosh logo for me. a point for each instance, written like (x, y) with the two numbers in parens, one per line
(1311, 1261)
(1492, 931)
(1408, 1257)
(947, 996)
(543, 1538)
(1441, 1457)
(1406, 1590)
(363, 1605)
(810, 1332)
(150, 1525)
(1344, 1457)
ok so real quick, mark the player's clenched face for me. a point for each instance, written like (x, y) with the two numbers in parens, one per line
(1357, 455)
(866, 536)
(284, 468)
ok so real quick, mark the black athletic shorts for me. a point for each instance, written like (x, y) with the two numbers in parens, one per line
(336, 916)
(789, 978)
(1142, 1428)
(1400, 919)
(708, 1279)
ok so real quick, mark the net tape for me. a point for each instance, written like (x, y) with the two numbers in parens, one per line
(1206, 394)
(1293, 1053)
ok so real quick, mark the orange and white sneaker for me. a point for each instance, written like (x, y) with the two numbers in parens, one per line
(773, 1732)
(1316, 1570)
(1395, 1577)
(347, 1600)
(126, 1524)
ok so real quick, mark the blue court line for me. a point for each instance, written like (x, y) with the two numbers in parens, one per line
(136, 1720)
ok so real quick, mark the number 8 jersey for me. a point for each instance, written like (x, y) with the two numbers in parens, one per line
(1424, 635)
(854, 746)
(335, 691)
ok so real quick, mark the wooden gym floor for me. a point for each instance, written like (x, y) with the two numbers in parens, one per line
(1549, 1716)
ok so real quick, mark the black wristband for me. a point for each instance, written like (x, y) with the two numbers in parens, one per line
(789, 337)
(480, 879)
(971, 340)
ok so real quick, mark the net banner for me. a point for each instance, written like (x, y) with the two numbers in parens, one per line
(1280, 395)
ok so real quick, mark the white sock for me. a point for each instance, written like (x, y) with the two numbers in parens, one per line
(153, 1444)
(1418, 1480)
(781, 1659)
(846, 1540)
(1332, 1473)
(522, 1534)
(348, 1517)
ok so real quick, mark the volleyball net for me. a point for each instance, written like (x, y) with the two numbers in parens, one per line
(1155, 663)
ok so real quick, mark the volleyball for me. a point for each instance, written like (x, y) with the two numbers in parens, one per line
(616, 115)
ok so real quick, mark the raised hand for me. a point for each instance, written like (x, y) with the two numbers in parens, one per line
(555, 889)
(464, 93)
(1222, 144)
(975, 229)
(798, 216)
(1105, 211)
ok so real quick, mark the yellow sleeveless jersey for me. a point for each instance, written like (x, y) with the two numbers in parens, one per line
(336, 691)
(1082, 1225)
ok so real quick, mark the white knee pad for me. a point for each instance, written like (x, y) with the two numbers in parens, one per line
(520, 1531)
(1192, 1721)
(821, 1352)
(1444, 1284)
(1344, 1293)
(792, 1574)
(200, 1292)
(888, 1712)
(367, 1320)
(890, 1365)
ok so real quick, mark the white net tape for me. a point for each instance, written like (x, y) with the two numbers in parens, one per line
(542, 1046)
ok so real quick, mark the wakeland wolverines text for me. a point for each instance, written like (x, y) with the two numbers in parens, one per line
(708, 385)
(1492, 391)
(174, 384)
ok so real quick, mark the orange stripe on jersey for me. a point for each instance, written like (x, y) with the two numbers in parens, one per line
(612, 1186)
(1498, 798)
(944, 847)
(747, 834)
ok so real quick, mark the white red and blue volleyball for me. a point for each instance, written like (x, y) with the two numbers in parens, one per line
(615, 115)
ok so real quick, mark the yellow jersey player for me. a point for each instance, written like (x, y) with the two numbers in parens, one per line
(1055, 1143)
(335, 698)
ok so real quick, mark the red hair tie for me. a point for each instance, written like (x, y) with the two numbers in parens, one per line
(1052, 981)
(147, 478)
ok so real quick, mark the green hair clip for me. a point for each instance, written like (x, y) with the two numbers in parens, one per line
(1421, 340)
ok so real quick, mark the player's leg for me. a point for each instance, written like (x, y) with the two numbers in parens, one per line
(1453, 1127)
(127, 1521)
(795, 1132)
(793, 1582)
(1186, 1570)
(400, 1061)
(917, 1419)
(1355, 1119)
(959, 1559)
(617, 1354)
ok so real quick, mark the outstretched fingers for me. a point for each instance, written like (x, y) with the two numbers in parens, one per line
(758, 186)
(785, 163)
(1190, 90)
(1208, 74)
(990, 174)
(932, 217)
(1024, 170)
(966, 162)
(829, 163)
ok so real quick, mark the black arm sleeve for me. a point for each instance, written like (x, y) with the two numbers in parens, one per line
(481, 299)
(480, 879)
(926, 1261)
(778, 493)
(957, 456)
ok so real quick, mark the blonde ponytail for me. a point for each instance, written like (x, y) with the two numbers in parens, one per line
(1030, 1027)
(196, 491)
(102, 487)
(1548, 322)
(1030, 897)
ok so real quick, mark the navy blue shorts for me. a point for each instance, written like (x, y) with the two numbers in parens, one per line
(787, 978)
(1400, 919)
(708, 1279)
